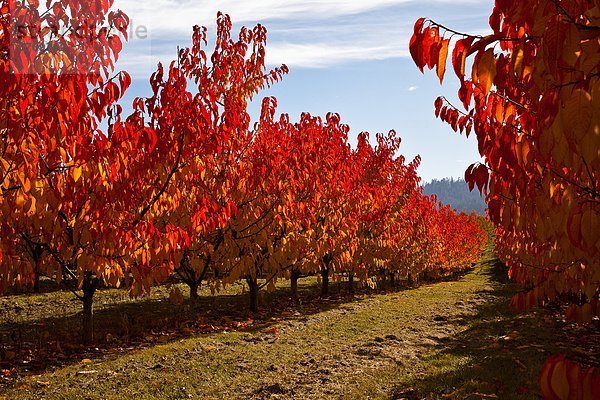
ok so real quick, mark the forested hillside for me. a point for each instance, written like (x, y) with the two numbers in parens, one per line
(455, 192)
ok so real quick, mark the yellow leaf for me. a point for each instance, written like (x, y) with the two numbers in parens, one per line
(486, 70)
(77, 173)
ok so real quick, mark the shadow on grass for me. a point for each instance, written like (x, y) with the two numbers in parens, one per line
(500, 353)
(35, 346)
(45, 286)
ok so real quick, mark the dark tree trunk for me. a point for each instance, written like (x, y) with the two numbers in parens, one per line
(36, 272)
(327, 259)
(253, 285)
(351, 283)
(294, 284)
(89, 288)
(392, 281)
(194, 291)
(325, 281)
(88, 320)
(36, 282)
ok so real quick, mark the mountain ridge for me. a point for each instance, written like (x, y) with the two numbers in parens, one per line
(455, 192)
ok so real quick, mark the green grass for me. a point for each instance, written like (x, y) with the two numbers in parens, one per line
(446, 340)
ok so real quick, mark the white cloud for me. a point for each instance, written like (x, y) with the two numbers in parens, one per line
(179, 16)
(321, 55)
(302, 33)
(412, 88)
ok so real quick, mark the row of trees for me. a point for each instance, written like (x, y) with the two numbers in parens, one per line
(532, 99)
(184, 185)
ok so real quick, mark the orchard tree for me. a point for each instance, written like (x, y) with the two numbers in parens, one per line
(46, 114)
(531, 99)
(256, 239)
(199, 123)
(385, 184)
(316, 168)
(57, 86)
(334, 222)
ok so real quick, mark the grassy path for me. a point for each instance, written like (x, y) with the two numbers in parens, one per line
(445, 340)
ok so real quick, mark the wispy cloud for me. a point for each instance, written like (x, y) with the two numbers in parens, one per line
(302, 33)
(412, 88)
(174, 15)
(320, 55)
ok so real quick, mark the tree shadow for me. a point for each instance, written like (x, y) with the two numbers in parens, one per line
(34, 346)
(45, 286)
(500, 353)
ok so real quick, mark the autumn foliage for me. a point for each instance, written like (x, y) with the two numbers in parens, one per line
(564, 379)
(186, 186)
(532, 98)
(539, 136)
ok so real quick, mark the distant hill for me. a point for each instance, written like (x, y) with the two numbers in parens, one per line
(455, 192)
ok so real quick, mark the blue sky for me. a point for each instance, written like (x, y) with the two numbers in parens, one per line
(345, 56)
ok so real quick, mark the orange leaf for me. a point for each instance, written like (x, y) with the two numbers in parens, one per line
(77, 173)
(442, 57)
(486, 70)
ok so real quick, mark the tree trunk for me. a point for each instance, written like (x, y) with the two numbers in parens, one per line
(294, 285)
(193, 291)
(351, 283)
(392, 281)
(36, 281)
(88, 320)
(89, 288)
(253, 285)
(325, 281)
